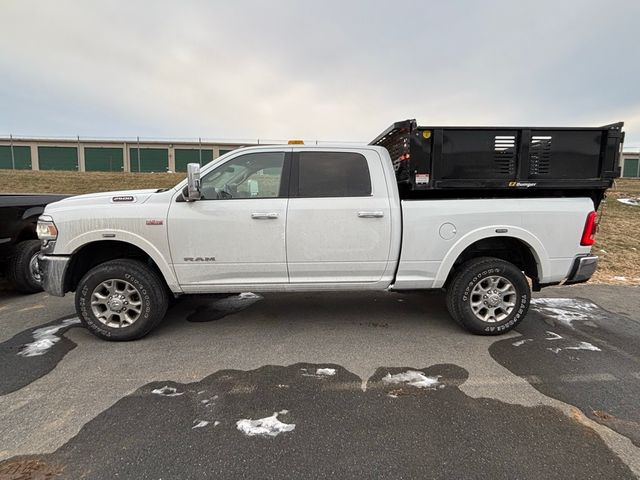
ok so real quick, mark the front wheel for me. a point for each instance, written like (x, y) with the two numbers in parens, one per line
(23, 271)
(488, 296)
(121, 300)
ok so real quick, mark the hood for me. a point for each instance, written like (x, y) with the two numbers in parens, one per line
(121, 197)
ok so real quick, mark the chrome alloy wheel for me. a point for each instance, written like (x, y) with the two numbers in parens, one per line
(116, 303)
(493, 299)
(34, 268)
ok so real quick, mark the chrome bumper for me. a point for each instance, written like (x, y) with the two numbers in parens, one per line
(582, 270)
(52, 269)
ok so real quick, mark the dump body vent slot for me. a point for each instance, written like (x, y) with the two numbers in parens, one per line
(504, 153)
(540, 154)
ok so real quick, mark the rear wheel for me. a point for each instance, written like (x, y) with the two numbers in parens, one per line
(488, 296)
(23, 270)
(121, 300)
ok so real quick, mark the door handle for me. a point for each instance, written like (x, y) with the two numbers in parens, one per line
(371, 214)
(264, 216)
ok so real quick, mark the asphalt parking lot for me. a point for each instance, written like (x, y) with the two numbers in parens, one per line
(366, 385)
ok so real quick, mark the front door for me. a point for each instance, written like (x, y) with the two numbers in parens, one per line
(235, 234)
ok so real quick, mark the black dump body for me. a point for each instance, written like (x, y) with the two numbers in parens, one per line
(494, 162)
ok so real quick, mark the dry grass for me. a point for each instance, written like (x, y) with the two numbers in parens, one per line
(618, 237)
(25, 181)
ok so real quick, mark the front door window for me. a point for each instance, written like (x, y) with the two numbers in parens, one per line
(254, 175)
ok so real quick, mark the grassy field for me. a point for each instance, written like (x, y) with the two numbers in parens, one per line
(618, 239)
(25, 181)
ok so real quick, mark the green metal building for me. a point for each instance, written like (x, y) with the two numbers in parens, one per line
(631, 164)
(108, 156)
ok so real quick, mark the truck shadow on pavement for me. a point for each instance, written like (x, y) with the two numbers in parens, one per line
(315, 420)
(575, 351)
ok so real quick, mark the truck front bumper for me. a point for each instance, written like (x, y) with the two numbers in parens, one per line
(582, 270)
(53, 269)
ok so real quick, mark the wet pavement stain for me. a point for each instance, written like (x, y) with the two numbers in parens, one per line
(327, 426)
(582, 355)
(33, 353)
(221, 307)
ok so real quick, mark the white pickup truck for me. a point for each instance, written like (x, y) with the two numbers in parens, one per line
(306, 218)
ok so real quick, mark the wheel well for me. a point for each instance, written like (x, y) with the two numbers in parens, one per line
(509, 249)
(96, 253)
(27, 233)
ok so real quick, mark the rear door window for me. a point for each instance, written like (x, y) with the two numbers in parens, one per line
(333, 174)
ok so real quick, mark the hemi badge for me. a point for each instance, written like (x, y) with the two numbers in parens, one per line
(123, 198)
(155, 222)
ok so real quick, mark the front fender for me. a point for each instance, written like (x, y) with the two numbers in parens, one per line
(125, 236)
(534, 244)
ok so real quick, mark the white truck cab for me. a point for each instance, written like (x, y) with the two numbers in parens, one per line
(308, 218)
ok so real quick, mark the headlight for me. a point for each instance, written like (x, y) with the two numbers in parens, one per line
(46, 229)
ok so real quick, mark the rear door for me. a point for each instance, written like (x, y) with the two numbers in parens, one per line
(339, 219)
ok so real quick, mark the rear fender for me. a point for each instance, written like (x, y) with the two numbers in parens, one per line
(534, 244)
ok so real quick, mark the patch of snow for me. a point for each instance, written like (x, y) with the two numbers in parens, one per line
(584, 346)
(200, 424)
(167, 391)
(216, 423)
(580, 346)
(413, 378)
(264, 427)
(320, 372)
(522, 342)
(45, 338)
(630, 201)
(249, 295)
(621, 279)
(552, 336)
(565, 310)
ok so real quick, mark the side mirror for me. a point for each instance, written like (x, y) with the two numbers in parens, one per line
(192, 192)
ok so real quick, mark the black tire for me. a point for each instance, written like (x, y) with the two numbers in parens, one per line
(474, 272)
(152, 295)
(19, 271)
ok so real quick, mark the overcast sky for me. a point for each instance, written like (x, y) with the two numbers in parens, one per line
(328, 70)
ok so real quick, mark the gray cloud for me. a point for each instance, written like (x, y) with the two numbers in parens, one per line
(333, 70)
